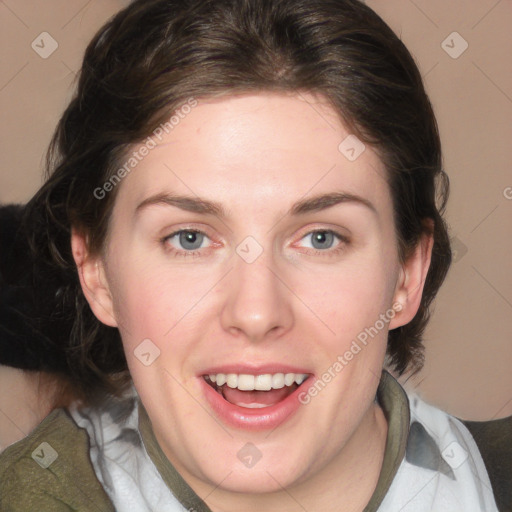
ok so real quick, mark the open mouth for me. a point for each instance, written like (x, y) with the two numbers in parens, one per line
(255, 391)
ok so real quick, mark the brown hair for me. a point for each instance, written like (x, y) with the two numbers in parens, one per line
(154, 55)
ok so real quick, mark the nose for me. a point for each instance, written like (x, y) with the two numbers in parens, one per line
(258, 304)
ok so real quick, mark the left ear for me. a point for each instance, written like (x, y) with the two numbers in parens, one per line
(411, 280)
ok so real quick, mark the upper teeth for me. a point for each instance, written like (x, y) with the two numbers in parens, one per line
(263, 382)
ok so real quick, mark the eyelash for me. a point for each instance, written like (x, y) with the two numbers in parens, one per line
(342, 245)
(178, 252)
(344, 241)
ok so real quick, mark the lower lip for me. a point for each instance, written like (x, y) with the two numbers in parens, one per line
(255, 419)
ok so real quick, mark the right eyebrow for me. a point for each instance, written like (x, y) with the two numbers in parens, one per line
(187, 203)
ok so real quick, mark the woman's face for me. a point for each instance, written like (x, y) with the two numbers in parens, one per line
(254, 244)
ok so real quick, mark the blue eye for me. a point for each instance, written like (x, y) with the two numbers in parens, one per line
(191, 242)
(321, 239)
(186, 239)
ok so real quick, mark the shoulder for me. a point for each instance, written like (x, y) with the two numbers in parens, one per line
(442, 469)
(447, 440)
(50, 470)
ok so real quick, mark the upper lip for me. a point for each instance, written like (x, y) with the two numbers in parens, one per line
(260, 369)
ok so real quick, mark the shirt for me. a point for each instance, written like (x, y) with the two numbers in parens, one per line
(431, 463)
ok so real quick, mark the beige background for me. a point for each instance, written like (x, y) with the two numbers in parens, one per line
(469, 342)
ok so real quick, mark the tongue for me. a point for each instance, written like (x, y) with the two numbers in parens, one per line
(256, 398)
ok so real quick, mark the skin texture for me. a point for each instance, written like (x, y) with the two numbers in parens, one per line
(257, 155)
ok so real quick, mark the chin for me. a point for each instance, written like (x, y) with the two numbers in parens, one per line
(262, 479)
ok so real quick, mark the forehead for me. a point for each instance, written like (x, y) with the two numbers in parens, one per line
(264, 150)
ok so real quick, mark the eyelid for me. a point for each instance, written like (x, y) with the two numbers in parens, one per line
(343, 240)
(342, 233)
(178, 231)
(165, 241)
(171, 231)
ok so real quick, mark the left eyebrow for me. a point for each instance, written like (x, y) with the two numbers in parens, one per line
(324, 201)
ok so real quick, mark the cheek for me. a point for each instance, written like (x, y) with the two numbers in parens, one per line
(139, 297)
(152, 302)
(352, 296)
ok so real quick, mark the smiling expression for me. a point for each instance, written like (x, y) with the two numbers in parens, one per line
(251, 253)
